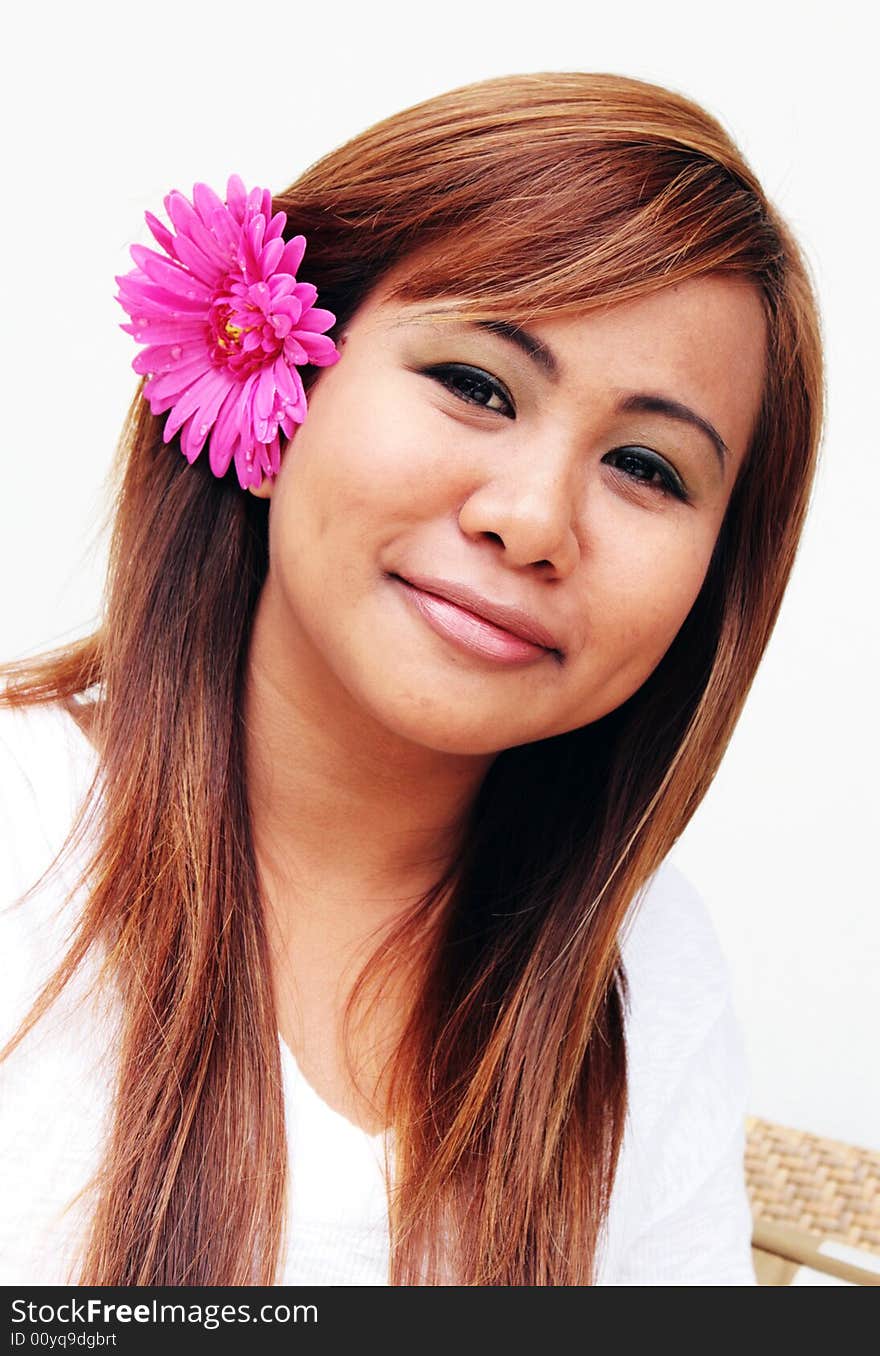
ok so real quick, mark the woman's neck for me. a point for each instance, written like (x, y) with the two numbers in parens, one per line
(351, 826)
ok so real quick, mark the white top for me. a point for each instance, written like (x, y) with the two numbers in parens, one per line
(679, 1211)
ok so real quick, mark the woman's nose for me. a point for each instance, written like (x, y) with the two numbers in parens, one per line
(530, 507)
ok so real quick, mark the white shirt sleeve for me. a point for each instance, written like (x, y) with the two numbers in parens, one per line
(680, 1211)
(695, 1225)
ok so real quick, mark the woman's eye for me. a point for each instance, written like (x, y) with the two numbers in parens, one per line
(472, 385)
(645, 467)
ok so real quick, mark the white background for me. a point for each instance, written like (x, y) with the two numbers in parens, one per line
(107, 107)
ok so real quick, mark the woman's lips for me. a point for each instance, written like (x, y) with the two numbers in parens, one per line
(470, 632)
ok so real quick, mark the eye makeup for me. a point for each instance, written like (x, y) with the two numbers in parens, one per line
(468, 382)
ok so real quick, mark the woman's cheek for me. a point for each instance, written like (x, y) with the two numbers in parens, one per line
(405, 469)
(634, 613)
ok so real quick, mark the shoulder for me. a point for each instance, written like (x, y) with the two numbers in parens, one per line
(680, 1018)
(56, 1085)
(46, 764)
(672, 956)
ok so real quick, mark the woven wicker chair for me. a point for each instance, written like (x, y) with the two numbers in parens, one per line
(809, 1194)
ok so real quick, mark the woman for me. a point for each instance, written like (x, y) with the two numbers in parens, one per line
(389, 733)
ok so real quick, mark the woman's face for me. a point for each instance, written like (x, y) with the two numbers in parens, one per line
(589, 496)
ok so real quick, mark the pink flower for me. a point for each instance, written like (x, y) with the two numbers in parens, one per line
(225, 324)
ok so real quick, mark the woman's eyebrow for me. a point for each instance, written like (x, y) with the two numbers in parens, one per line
(529, 343)
(536, 349)
(643, 403)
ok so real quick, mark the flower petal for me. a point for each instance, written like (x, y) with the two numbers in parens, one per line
(227, 234)
(192, 440)
(316, 319)
(292, 256)
(228, 424)
(288, 306)
(276, 226)
(305, 294)
(206, 202)
(202, 396)
(236, 197)
(152, 299)
(181, 212)
(181, 331)
(269, 457)
(223, 440)
(208, 267)
(164, 357)
(294, 352)
(264, 394)
(246, 468)
(270, 257)
(170, 274)
(175, 382)
(160, 233)
(288, 382)
(320, 349)
(281, 287)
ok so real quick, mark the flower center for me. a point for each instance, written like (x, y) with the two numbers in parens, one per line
(243, 338)
(226, 333)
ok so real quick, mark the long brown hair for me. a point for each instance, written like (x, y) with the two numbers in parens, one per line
(517, 197)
